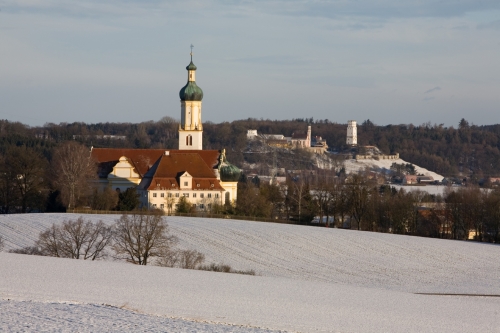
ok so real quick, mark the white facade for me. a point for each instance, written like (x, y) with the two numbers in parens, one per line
(191, 128)
(251, 134)
(122, 177)
(352, 135)
(167, 200)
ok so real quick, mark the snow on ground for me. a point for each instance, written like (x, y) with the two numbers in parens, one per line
(353, 165)
(319, 254)
(33, 316)
(431, 189)
(251, 301)
(310, 279)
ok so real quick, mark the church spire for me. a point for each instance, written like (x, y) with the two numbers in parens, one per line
(191, 128)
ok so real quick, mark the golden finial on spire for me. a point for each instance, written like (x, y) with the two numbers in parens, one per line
(191, 52)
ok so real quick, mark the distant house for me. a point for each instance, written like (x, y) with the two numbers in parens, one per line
(425, 179)
(410, 179)
(413, 179)
(494, 181)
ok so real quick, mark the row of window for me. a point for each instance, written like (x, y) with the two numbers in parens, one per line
(177, 194)
(200, 206)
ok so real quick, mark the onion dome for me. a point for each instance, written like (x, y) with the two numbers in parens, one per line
(191, 66)
(191, 92)
(227, 171)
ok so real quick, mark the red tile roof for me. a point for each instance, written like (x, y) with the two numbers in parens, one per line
(165, 173)
(299, 136)
(144, 159)
(174, 165)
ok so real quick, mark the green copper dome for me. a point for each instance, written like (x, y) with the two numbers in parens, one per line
(191, 92)
(191, 66)
(227, 171)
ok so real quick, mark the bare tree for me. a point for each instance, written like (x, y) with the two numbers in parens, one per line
(322, 196)
(142, 236)
(169, 258)
(191, 259)
(24, 176)
(48, 242)
(187, 259)
(8, 194)
(30, 250)
(358, 192)
(75, 239)
(107, 199)
(73, 167)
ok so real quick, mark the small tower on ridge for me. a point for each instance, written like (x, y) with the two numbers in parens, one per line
(352, 135)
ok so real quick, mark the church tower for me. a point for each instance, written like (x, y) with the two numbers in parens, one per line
(190, 128)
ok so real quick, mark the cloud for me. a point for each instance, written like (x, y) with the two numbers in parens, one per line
(491, 25)
(303, 8)
(376, 8)
(272, 60)
(433, 89)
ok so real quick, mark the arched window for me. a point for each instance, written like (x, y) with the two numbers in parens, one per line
(190, 140)
(187, 140)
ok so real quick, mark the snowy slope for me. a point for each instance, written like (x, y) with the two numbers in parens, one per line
(382, 165)
(402, 263)
(256, 301)
(57, 316)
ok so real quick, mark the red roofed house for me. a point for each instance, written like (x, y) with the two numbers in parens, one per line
(163, 176)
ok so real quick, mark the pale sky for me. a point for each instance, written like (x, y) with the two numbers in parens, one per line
(390, 61)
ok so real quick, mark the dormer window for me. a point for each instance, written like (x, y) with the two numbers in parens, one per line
(185, 181)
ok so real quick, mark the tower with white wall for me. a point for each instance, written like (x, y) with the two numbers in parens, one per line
(352, 135)
(191, 128)
(308, 142)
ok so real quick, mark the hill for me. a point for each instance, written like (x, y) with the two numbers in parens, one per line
(309, 279)
(388, 261)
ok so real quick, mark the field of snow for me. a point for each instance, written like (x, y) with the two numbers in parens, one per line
(382, 165)
(310, 279)
(431, 189)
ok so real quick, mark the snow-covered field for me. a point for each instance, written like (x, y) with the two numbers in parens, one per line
(383, 165)
(431, 189)
(310, 279)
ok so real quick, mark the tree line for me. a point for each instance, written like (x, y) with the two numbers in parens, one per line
(356, 201)
(468, 149)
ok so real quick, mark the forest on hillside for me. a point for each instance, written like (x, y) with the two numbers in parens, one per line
(466, 151)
